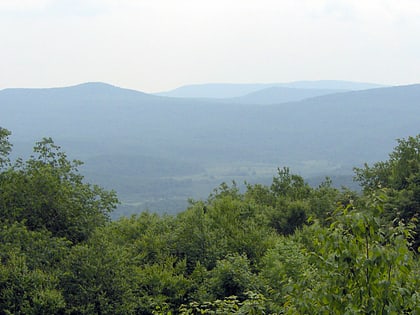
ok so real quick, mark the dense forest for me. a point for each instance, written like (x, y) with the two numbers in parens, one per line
(283, 248)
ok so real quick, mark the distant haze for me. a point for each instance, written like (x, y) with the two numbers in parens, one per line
(159, 45)
(157, 151)
(223, 90)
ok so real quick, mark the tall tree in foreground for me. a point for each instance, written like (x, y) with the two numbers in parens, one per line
(47, 192)
(360, 264)
(399, 177)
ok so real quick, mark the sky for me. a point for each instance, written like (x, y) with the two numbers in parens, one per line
(158, 45)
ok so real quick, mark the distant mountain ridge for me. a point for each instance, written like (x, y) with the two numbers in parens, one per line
(197, 144)
(230, 90)
(403, 94)
(89, 90)
(278, 94)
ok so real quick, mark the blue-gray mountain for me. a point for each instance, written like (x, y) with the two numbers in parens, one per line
(277, 95)
(229, 90)
(158, 151)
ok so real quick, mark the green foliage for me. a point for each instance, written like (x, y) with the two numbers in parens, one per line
(400, 175)
(289, 202)
(96, 279)
(47, 192)
(24, 290)
(224, 224)
(238, 227)
(28, 270)
(284, 248)
(325, 198)
(289, 185)
(5, 147)
(253, 305)
(147, 237)
(289, 216)
(193, 238)
(283, 265)
(396, 173)
(362, 265)
(229, 305)
(40, 249)
(232, 276)
(162, 284)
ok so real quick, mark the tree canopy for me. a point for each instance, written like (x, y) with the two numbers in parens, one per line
(284, 248)
(47, 192)
(399, 179)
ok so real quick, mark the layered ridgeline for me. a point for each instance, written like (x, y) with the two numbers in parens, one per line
(232, 90)
(158, 151)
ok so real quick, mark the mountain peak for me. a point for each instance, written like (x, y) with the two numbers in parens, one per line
(82, 90)
(94, 85)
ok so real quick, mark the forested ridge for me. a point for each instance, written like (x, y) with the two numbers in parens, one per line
(156, 152)
(284, 248)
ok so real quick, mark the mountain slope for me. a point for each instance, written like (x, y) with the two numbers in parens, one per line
(229, 90)
(127, 120)
(92, 91)
(277, 94)
(214, 141)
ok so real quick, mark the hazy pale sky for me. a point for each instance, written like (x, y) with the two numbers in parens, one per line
(155, 45)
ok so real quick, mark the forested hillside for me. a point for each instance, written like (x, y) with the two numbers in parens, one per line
(157, 151)
(282, 248)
